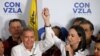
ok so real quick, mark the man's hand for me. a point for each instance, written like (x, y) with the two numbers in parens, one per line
(46, 16)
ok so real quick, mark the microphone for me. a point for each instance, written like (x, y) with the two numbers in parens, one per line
(67, 53)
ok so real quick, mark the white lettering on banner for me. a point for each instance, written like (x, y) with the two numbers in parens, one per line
(82, 7)
(12, 7)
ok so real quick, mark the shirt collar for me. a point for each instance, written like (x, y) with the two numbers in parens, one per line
(32, 50)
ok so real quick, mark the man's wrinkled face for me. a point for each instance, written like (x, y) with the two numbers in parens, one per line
(28, 39)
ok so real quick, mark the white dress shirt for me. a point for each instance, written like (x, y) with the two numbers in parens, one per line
(61, 45)
(38, 47)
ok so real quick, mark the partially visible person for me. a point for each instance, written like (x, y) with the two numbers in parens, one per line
(1, 48)
(61, 31)
(76, 44)
(57, 31)
(29, 47)
(15, 29)
(97, 48)
(89, 28)
(98, 36)
(54, 51)
(78, 20)
(64, 34)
